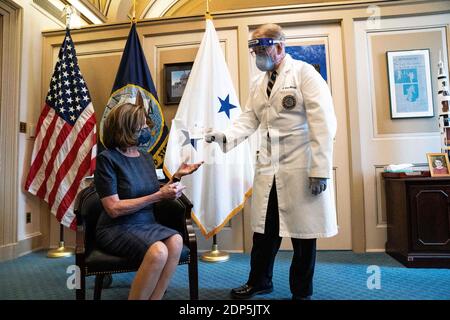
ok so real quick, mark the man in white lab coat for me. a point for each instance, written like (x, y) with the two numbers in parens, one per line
(291, 105)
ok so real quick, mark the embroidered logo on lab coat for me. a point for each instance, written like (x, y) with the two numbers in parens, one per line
(289, 102)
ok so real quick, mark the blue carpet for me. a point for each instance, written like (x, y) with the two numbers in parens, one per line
(340, 275)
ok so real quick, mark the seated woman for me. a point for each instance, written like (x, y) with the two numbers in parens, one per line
(127, 184)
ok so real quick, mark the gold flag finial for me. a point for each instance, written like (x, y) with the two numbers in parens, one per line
(68, 11)
(133, 13)
(207, 14)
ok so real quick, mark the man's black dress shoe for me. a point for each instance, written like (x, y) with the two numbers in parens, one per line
(246, 291)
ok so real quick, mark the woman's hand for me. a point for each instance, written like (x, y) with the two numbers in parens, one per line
(187, 168)
(171, 191)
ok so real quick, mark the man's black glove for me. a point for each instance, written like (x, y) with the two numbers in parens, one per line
(317, 185)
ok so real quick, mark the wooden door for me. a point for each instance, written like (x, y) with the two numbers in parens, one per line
(166, 49)
(384, 140)
(329, 37)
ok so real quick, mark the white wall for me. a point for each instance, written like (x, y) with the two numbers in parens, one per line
(34, 22)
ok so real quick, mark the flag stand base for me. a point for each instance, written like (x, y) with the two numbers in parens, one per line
(60, 252)
(215, 255)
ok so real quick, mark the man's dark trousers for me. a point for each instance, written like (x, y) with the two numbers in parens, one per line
(265, 248)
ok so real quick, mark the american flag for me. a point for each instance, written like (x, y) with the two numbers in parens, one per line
(65, 146)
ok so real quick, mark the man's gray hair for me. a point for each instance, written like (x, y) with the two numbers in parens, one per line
(269, 30)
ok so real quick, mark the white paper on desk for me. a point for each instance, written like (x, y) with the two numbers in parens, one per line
(398, 167)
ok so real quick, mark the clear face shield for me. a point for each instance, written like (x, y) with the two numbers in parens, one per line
(261, 49)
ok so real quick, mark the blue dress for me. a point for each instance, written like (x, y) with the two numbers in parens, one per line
(129, 177)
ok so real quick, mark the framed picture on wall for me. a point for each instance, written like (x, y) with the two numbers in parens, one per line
(175, 79)
(410, 89)
(312, 53)
(313, 50)
(439, 164)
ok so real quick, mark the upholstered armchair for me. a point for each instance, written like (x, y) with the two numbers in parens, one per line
(91, 261)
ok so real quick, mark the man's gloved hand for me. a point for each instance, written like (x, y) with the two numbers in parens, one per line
(215, 136)
(317, 185)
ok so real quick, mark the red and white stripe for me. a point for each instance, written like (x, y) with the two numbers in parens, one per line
(62, 156)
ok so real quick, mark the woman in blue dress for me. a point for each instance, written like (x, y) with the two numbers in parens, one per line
(126, 182)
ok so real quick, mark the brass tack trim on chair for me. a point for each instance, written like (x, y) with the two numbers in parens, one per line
(122, 271)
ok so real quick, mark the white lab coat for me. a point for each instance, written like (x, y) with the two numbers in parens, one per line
(296, 143)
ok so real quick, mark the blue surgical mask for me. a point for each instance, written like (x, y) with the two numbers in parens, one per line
(144, 137)
(264, 62)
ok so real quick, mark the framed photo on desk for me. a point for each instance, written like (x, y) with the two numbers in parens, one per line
(439, 164)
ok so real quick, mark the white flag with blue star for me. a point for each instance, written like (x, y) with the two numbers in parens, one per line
(219, 188)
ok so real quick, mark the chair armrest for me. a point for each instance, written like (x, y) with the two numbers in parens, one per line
(80, 234)
(188, 204)
(80, 250)
(191, 239)
(176, 214)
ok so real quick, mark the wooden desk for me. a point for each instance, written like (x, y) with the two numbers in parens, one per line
(418, 221)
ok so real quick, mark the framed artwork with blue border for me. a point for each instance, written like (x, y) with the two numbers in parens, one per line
(314, 54)
(410, 88)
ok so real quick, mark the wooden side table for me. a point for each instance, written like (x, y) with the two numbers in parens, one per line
(418, 221)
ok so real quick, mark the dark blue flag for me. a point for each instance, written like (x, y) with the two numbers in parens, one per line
(132, 77)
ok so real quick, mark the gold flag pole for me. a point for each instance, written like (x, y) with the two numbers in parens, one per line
(62, 251)
(215, 255)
